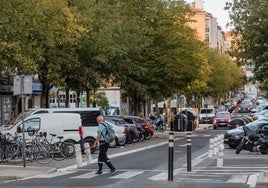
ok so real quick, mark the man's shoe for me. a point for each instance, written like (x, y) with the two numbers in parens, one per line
(99, 172)
(113, 172)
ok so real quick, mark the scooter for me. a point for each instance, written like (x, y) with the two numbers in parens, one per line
(253, 142)
(158, 123)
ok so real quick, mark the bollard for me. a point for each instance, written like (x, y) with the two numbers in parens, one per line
(78, 155)
(220, 156)
(215, 146)
(88, 153)
(210, 151)
(189, 152)
(170, 155)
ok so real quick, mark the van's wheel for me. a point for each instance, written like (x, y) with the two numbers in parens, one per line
(90, 141)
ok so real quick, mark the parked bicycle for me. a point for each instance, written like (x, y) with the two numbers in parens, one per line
(62, 150)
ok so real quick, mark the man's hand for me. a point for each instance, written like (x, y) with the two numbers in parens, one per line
(96, 144)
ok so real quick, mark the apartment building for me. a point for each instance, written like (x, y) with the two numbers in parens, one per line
(207, 27)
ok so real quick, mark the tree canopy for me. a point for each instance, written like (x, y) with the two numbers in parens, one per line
(250, 28)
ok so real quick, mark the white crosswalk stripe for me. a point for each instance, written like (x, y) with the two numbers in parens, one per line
(127, 175)
(86, 175)
(55, 174)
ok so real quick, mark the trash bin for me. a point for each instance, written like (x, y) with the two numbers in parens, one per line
(179, 123)
(191, 119)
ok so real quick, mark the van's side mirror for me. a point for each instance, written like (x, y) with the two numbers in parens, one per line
(19, 129)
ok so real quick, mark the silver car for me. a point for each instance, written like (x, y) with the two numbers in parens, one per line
(120, 134)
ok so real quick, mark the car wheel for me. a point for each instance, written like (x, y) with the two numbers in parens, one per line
(141, 136)
(122, 142)
(148, 135)
(113, 144)
(130, 138)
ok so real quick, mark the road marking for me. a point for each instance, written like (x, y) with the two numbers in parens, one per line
(238, 179)
(87, 175)
(114, 155)
(55, 174)
(126, 175)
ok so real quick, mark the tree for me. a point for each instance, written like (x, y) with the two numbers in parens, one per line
(250, 27)
(44, 35)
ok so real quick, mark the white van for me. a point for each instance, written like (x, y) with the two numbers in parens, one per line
(88, 116)
(64, 124)
(206, 115)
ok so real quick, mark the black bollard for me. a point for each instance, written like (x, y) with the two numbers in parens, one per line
(170, 155)
(189, 145)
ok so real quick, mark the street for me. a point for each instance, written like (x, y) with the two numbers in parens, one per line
(142, 165)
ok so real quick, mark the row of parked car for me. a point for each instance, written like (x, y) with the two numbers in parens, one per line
(129, 129)
(256, 122)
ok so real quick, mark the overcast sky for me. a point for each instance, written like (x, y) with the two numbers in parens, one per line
(215, 7)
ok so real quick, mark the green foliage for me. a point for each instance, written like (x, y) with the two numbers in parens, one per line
(250, 26)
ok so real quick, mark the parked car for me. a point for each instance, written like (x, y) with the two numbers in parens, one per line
(259, 108)
(260, 114)
(138, 121)
(236, 122)
(221, 119)
(259, 100)
(120, 134)
(131, 130)
(233, 137)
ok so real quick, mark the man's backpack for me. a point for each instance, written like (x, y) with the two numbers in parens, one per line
(110, 134)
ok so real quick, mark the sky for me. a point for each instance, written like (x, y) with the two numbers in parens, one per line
(216, 8)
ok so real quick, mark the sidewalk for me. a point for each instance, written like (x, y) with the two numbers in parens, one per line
(12, 172)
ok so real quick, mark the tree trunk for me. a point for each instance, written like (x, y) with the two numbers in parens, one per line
(67, 97)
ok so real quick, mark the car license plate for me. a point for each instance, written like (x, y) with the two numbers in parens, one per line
(226, 139)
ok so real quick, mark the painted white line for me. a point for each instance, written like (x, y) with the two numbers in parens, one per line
(114, 155)
(252, 180)
(126, 175)
(52, 175)
(87, 175)
(238, 179)
(197, 160)
(182, 145)
(163, 176)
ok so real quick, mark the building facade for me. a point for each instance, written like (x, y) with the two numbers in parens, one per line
(207, 27)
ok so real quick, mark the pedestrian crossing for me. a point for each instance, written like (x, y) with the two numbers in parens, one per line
(180, 175)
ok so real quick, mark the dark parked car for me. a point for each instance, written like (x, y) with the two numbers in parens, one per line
(237, 122)
(233, 137)
(221, 119)
(148, 128)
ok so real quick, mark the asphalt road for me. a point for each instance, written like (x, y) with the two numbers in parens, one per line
(142, 165)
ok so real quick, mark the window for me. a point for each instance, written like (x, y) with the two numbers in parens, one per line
(31, 124)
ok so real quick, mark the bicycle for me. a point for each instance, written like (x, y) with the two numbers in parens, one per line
(37, 150)
(62, 150)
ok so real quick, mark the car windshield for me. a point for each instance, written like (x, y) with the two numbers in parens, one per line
(222, 115)
(206, 111)
(19, 117)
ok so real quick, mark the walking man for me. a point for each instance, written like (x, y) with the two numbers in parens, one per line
(103, 146)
